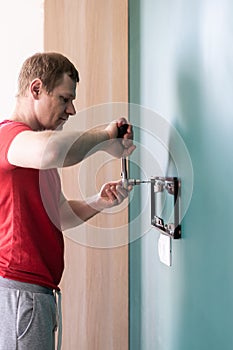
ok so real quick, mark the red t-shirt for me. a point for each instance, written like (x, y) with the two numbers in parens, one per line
(31, 241)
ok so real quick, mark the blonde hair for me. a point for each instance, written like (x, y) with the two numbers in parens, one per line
(49, 67)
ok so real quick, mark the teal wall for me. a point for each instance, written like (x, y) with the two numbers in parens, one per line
(181, 66)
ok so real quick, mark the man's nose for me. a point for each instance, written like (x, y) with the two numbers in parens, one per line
(71, 109)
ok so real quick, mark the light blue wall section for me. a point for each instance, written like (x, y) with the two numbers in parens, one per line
(181, 66)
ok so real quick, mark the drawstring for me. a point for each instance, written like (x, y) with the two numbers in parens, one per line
(59, 319)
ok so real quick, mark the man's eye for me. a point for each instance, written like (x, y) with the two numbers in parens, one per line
(64, 99)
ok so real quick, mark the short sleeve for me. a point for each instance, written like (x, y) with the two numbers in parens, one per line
(8, 130)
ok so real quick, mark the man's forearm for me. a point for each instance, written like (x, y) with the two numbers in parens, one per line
(85, 145)
(76, 212)
(71, 147)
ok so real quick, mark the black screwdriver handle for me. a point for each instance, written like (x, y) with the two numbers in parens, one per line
(122, 130)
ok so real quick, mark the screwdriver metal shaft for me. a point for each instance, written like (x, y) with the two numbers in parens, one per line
(124, 176)
(137, 182)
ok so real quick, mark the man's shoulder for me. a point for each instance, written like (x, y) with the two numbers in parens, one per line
(12, 124)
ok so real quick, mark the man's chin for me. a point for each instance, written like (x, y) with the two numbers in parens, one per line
(60, 126)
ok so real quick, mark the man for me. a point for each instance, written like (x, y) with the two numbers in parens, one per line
(33, 211)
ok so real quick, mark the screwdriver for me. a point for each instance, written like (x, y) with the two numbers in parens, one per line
(124, 174)
(122, 130)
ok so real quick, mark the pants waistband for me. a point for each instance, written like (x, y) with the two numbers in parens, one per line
(28, 287)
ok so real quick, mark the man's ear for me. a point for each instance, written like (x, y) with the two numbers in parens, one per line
(36, 88)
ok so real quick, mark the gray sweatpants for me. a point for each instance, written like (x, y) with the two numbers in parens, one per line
(28, 316)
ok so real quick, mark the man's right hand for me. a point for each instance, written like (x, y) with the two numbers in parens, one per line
(119, 147)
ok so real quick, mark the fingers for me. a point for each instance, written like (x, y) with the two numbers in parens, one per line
(123, 146)
(129, 131)
(127, 140)
(114, 126)
(115, 193)
(112, 129)
(128, 151)
(121, 121)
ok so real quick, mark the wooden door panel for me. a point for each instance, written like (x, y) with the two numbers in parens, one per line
(93, 34)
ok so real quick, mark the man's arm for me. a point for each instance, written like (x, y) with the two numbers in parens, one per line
(75, 212)
(54, 149)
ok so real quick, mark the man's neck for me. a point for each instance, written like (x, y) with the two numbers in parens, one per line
(24, 114)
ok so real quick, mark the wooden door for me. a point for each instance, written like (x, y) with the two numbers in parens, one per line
(93, 34)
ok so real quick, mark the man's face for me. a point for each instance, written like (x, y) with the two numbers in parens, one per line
(53, 110)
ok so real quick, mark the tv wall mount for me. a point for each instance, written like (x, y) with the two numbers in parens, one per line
(171, 189)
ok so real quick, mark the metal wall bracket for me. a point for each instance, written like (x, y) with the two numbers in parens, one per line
(169, 186)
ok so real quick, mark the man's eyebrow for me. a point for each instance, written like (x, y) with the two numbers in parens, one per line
(68, 95)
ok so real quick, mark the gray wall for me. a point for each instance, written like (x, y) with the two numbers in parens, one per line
(181, 67)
